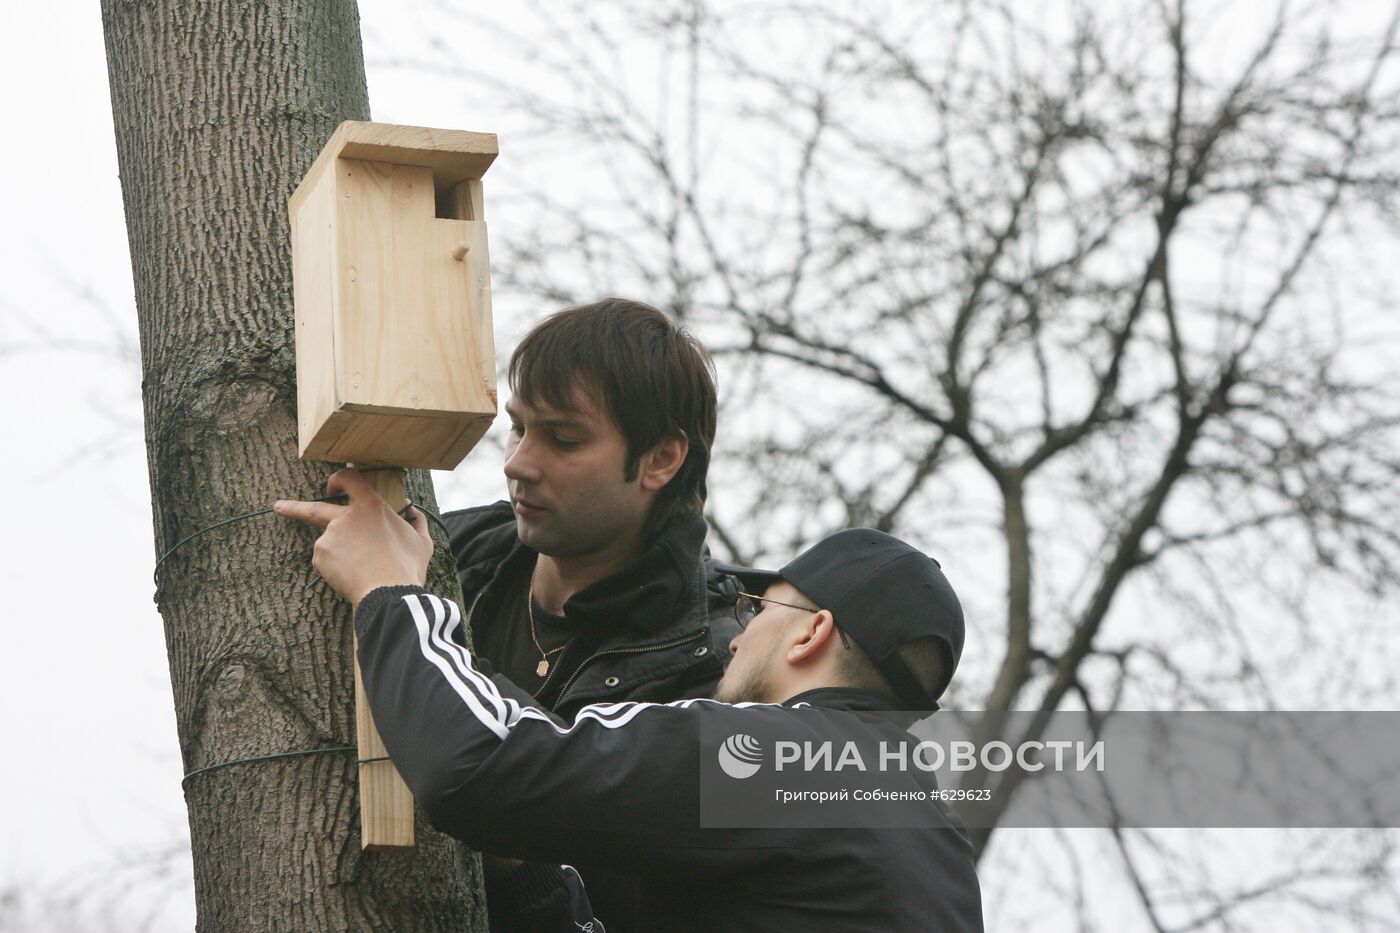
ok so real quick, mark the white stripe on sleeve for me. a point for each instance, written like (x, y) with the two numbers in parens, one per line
(469, 697)
(498, 713)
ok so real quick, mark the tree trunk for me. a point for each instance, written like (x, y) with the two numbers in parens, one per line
(219, 109)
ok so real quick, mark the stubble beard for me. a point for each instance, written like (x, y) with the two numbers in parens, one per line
(753, 688)
(585, 530)
(562, 542)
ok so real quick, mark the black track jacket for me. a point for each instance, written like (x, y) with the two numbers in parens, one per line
(619, 789)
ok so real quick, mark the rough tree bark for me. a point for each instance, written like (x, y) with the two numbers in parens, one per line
(219, 109)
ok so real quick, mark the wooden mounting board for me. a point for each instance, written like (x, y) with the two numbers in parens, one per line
(386, 804)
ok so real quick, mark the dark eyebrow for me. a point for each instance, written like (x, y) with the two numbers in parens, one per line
(573, 424)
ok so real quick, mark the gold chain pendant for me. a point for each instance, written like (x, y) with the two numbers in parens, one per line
(542, 668)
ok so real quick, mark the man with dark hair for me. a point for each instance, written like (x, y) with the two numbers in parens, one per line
(652, 378)
(592, 583)
(618, 787)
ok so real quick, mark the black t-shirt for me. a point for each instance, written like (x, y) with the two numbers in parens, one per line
(512, 652)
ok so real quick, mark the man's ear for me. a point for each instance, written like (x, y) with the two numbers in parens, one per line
(816, 632)
(663, 462)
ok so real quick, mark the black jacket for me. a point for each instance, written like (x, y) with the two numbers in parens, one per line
(659, 629)
(619, 788)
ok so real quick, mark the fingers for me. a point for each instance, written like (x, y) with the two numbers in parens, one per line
(361, 496)
(350, 482)
(319, 514)
(419, 521)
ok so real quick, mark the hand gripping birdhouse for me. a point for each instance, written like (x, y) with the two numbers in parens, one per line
(395, 361)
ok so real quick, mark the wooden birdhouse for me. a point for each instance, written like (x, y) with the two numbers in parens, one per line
(395, 360)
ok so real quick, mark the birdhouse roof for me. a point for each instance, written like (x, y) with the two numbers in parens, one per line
(453, 155)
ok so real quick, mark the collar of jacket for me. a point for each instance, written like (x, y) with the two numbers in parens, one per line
(647, 593)
(858, 700)
(644, 596)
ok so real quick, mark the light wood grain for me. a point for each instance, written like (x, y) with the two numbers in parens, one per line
(407, 335)
(467, 200)
(314, 290)
(478, 262)
(389, 322)
(452, 155)
(386, 804)
(443, 438)
(396, 361)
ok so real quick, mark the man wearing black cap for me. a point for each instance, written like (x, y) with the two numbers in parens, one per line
(889, 598)
(859, 624)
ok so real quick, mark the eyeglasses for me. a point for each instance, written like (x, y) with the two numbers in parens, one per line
(747, 605)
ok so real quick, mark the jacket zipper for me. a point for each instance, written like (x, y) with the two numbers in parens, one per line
(467, 625)
(640, 650)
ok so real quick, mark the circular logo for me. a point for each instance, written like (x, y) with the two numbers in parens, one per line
(740, 756)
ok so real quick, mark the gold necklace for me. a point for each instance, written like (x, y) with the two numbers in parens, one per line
(541, 669)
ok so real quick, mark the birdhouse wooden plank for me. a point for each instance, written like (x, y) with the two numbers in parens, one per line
(395, 357)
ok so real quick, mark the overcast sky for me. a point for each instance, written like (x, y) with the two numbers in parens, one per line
(93, 771)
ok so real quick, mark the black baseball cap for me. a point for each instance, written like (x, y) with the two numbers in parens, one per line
(883, 593)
